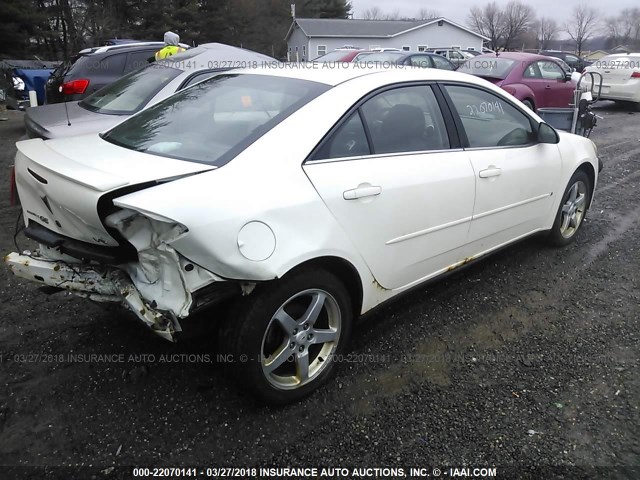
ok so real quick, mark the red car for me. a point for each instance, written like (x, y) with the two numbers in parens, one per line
(340, 55)
(535, 80)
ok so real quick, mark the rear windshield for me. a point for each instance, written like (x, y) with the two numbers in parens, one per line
(132, 92)
(334, 56)
(493, 67)
(214, 120)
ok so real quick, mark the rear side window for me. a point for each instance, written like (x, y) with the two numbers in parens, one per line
(405, 119)
(136, 60)
(442, 63)
(488, 120)
(97, 65)
(198, 77)
(349, 140)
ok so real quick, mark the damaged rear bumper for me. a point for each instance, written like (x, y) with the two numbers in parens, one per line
(98, 284)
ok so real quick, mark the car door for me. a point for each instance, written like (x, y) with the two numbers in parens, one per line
(558, 90)
(515, 176)
(391, 178)
(532, 78)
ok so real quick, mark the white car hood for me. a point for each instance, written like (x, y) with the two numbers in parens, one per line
(60, 182)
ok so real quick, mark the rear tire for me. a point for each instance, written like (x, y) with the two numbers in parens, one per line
(572, 210)
(285, 335)
(529, 104)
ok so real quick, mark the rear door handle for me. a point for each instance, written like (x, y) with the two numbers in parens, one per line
(490, 172)
(360, 192)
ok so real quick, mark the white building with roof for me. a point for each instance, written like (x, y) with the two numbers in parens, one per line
(309, 38)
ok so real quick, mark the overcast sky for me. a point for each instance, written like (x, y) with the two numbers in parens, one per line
(457, 10)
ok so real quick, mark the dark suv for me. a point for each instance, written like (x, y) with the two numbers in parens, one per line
(571, 59)
(93, 68)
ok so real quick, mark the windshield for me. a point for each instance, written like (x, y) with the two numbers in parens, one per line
(494, 67)
(132, 92)
(214, 120)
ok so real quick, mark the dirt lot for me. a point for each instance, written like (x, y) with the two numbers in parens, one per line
(529, 358)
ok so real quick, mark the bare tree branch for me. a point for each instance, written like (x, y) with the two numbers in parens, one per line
(583, 24)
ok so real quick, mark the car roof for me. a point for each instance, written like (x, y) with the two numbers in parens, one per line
(335, 73)
(522, 56)
(216, 56)
(121, 47)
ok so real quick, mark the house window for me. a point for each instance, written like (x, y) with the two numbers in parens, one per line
(322, 50)
(456, 47)
(296, 48)
(422, 48)
(304, 51)
(406, 48)
(471, 49)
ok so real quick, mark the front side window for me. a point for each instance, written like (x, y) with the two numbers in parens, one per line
(214, 120)
(550, 70)
(132, 92)
(532, 71)
(489, 120)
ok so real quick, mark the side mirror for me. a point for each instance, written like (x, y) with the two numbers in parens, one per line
(567, 75)
(546, 134)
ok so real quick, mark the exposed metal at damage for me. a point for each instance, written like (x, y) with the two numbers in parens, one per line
(95, 283)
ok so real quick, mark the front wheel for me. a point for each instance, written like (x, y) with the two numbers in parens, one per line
(572, 211)
(284, 337)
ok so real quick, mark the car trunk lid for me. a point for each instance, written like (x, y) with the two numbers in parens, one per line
(60, 183)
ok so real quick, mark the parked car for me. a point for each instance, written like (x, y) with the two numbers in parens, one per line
(455, 55)
(388, 178)
(424, 60)
(574, 61)
(94, 68)
(620, 77)
(535, 80)
(116, 102)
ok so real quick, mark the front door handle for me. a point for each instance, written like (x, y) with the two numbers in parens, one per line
(360, 192)
(492, 171)
(548, 87)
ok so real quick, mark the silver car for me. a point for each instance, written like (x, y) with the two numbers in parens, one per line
(146, 86)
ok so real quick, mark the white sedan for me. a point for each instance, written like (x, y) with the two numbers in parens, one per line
(304, 196)
(620, 77)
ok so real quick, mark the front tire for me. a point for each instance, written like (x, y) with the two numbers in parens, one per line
(572, 210)
(284, 337)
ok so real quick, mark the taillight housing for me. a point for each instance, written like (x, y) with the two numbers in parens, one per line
(13, 189)
(635, 75)
(75, 87)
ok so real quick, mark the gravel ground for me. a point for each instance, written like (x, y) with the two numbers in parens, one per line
(527, 359)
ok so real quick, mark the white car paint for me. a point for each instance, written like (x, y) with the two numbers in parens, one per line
(265, 213)
(620, 76)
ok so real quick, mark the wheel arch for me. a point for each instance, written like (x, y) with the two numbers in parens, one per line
(344, 270)
(588, 168)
